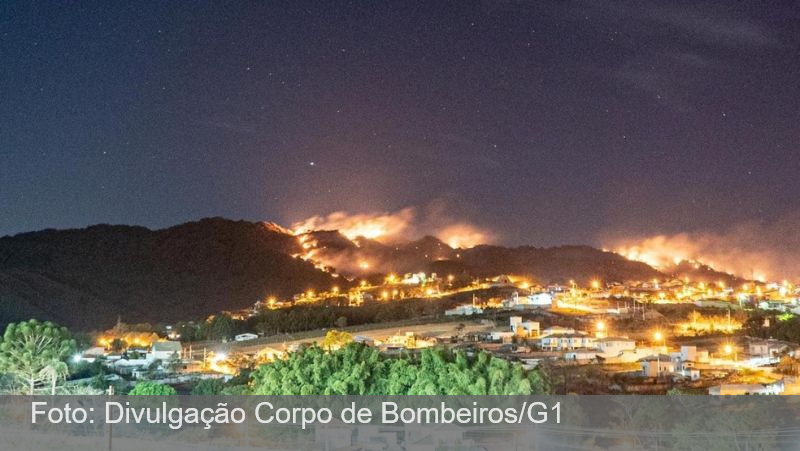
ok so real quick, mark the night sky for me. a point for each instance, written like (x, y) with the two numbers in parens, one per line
(548, 122)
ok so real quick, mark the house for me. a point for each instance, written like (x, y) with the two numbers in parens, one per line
(630, 356)
(464, 310)
(164, 350)
(501, 281)
(558, 330)
(657, 366)
(407, 341)
(501, 336)
(129, 366)
(615, 346)
(543, 299)
(777, 306)
(95, 351)
(766, 348)
(692, 354)
(245, 337)
(564, 342)
(582, 355)
(524, 328)
(365, 340)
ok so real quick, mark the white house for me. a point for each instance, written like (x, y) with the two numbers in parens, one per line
(777, 306)
(537, 299)
(766, 348)
(464, 310)
(691, 354)
(129, 366)
(564, 342)
(582, 355)
(245, 337)
(657, 366)
(525, 328)
(554, 330)
(614, 346)
(164, 350)
(503, 336)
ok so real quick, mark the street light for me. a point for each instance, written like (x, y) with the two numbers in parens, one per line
(600, 327)
(729, 349)
(658, 336)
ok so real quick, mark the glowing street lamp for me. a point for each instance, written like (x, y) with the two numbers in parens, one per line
(729, 349)
(658, 336)
(600, 327)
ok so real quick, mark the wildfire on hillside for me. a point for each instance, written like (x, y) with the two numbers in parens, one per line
(663, 252)
(380, 226)
(387, 228)
(402, 225)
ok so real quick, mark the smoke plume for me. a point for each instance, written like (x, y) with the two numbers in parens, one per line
(405, 224)
(751, 249)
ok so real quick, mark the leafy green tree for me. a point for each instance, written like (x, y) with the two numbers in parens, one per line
(152, 389)
(33, 351)
(334, 339)
(207, 387)
(356, 369)
(220, 327)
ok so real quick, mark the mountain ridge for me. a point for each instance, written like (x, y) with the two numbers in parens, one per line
(85, 278)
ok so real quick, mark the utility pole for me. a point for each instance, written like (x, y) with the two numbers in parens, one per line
(110, 425)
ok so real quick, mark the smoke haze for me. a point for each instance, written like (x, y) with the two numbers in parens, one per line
(764, 251)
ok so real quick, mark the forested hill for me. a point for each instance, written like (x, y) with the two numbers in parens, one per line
(85, 278)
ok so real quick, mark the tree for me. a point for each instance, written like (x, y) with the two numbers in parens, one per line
(335, 339)
(174, 364)
(356, 369)
(31, 352)
(54, 371)
(152, 389)
(207, 387)
(220, 327)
